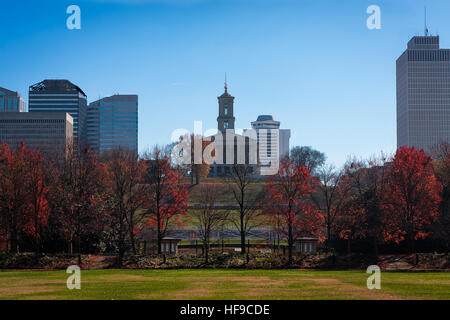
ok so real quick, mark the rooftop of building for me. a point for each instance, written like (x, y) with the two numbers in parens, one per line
(117, 98)
(424, 42)
(51, 115)
(6, 92)
(265, 117)
(55, 86)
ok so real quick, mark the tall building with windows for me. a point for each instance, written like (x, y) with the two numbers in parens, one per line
(112, 122)
(273, 143)
(423, 94)
(11, 101)
(57, 96)
(48, 132)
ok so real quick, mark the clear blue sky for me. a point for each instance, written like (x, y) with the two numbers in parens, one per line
(312, 64)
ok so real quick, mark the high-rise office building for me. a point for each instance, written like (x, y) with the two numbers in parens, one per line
(273, 143)
(49, 132)
(60, 95)
(423, 94)
(11, 101)
(112, 122)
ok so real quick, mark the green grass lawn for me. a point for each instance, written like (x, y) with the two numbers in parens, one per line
(223, 284)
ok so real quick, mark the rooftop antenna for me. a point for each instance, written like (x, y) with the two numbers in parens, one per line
(426, 27)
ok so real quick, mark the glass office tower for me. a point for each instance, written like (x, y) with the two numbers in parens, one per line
(11, 101)
(112, 122)
(61, 95)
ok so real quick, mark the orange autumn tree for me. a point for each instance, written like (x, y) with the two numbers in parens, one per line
(289, 201)
(412, 197)
(166, 194)
(199, 170)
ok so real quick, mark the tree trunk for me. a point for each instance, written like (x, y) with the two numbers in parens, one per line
(290, 244)
(327, 243)
(36, 229)
(79, 250)
(349, 245)
(133, 243)
(242, 233)
(14, 243)
(375, 246)
(412, 247)
(132, 239)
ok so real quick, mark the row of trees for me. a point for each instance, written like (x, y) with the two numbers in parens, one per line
(382, 200)
(105, 202)
(83, 200)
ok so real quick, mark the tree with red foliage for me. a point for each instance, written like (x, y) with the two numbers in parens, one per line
(289, 199)
(127, 194)
(199, 170)
(77, 196)
(332, 189)
(350, 220)
(166, 194)
(37, 209)
(14, 193)
(441, 229)
(363, 214)
(412, 198)
(5, 155)
(23, 195)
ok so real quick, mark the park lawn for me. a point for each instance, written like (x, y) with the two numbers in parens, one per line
(223, 284)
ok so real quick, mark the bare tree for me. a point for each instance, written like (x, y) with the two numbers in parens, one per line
(208, 217)
(248, 201)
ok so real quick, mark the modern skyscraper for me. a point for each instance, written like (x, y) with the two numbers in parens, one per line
(423, 94)
(11, 101)
(273, 143)
(60, 95)
(49, 132)
(112, 122)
